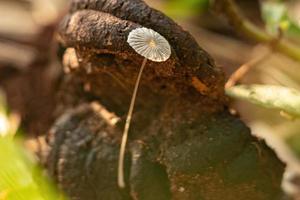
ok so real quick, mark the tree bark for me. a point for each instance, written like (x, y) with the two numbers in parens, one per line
(184, 144)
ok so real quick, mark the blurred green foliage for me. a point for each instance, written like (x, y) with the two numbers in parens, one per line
(186, 8)
(269, 96)
(276, 17)
(21, 178)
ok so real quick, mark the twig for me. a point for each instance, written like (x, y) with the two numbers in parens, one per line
(243, 69)
(250, 30)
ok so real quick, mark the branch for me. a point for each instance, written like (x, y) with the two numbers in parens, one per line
(244, 69)
(251, 31)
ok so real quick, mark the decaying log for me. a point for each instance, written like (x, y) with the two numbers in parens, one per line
(184, 144)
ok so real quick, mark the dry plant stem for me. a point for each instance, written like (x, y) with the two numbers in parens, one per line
(121, 181)
(238, 21)
(243, 69)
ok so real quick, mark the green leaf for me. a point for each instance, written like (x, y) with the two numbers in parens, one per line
(275, 15)
(180, 8)
(269, 96)
(20, 176)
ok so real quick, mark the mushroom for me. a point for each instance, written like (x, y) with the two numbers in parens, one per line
(152, 46)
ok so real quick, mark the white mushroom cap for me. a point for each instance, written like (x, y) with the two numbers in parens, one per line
(149, 44)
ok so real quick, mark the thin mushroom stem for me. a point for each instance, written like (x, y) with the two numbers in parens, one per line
(121, 181)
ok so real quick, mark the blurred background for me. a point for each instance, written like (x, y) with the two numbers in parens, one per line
(30, 64)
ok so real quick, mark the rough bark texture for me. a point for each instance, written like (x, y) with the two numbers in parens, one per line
(183, 143)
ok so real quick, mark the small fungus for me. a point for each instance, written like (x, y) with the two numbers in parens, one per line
(151, 45)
